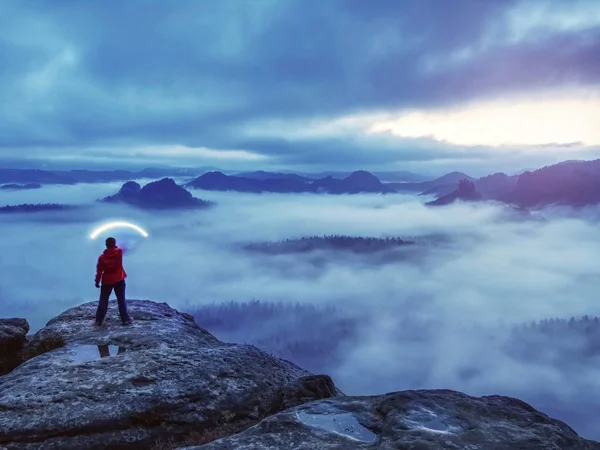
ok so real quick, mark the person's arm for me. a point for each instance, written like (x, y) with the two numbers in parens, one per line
(99, 270)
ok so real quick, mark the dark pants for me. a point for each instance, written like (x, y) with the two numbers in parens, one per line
(105, 291)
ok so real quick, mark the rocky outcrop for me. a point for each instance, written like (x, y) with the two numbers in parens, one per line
(161, 194)
(163, 377)
(424, 420)
(569, 183)
(165, 383)
(465, 191)
(12, 343)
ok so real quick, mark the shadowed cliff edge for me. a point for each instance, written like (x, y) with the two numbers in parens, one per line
(164, 382)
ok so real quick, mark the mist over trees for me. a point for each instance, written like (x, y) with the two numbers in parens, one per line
(37, 207)
(316, 335)
(308, 335)
(329, 242)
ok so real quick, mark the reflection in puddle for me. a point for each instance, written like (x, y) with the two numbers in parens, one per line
(434, 425)
(344, 424)
(86, 353)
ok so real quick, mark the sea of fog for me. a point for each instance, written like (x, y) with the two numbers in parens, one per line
(492, 268)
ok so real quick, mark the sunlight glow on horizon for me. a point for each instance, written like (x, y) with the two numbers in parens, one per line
(501, 123)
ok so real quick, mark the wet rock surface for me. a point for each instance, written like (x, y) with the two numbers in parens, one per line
(12, 343)
(165, 383)
(424, 420)
(130, 386)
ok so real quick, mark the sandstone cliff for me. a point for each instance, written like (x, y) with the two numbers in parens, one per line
(161, 378)
(166, 383)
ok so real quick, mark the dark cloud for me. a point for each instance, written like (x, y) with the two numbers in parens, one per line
(192, 73)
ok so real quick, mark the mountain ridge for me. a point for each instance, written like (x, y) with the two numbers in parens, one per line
(357, 182)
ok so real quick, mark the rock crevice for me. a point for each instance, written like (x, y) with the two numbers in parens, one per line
(13, 343)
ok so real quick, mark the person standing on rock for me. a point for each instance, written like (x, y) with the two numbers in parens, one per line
(110, 271)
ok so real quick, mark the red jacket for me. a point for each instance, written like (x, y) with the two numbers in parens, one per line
(110, 266)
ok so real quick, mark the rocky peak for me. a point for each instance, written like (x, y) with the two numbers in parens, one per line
(164, 193)
(165, 383)
(466, 188)
(465, 191)
(213, 176)
(131, 187)
(163, 377)
(364, 179)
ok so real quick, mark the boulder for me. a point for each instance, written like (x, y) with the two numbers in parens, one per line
(161, 379)
(424, 420)
(12, 343)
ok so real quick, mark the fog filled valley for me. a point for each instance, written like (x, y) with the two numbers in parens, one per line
(379, 291)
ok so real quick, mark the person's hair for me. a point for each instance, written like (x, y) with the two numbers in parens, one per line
(111, 242)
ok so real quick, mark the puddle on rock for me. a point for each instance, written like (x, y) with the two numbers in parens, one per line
(434, 425)
(87, 353)
(344, 424)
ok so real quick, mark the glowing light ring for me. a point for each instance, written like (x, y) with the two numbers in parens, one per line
(111, 225)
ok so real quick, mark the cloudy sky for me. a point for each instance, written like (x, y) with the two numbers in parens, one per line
(427, 85)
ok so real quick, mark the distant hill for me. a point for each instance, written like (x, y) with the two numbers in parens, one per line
(162, 194)
(356, 182)
(218, 181)
(400, 176)
(33, 176)
(20, 187)
(33, 208)
(386, 176)
(100, 176)
(571, 183)
(495, 185)
(465, 191)
(440, 186)
(23, 176)
(262, 175)
(490, 186)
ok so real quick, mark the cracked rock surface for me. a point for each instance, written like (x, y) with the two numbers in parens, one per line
(423, 420)
(165, 383)
(130, 386)
(12, 343)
